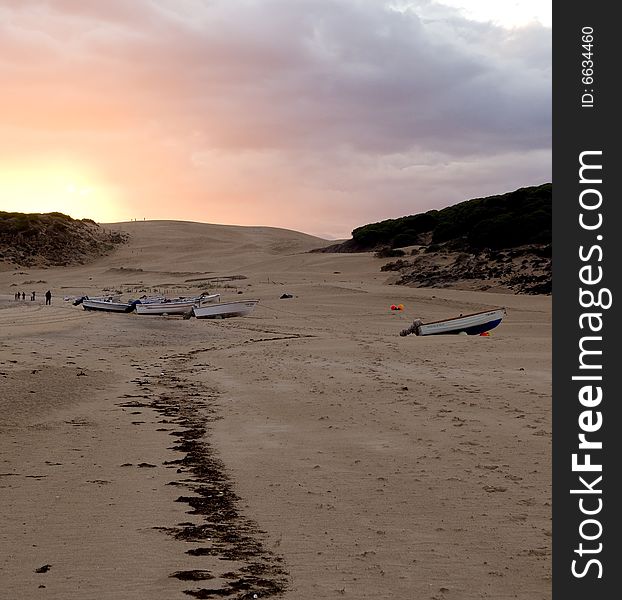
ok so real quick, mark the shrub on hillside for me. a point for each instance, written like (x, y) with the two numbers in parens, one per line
(395, 265)
(388, 252)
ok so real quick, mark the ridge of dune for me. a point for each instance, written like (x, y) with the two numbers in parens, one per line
(187, 244)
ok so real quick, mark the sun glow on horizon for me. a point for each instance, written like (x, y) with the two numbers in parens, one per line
(58, 189)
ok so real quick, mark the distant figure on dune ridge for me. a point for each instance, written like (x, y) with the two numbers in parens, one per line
(32, 296)
(23, 295)
(48, 297)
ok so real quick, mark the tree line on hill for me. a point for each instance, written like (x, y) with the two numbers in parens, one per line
(516, 218)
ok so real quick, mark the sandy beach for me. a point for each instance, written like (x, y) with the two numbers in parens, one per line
(306, 451)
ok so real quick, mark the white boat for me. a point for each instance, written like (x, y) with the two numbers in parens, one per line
(472, 324)
(178, 306)
(109, 304)
(221, 310)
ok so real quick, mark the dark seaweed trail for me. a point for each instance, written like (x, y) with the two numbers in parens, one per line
(249, 570)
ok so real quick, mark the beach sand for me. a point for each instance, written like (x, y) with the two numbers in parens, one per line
(306, 451)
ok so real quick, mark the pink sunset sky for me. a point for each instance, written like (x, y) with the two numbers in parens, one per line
(314, 115)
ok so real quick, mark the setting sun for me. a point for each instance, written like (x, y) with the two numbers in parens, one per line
(58, 188)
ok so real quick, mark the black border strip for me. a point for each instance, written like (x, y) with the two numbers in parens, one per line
(586, 120)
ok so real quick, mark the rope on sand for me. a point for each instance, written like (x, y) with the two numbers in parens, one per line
(414, 328)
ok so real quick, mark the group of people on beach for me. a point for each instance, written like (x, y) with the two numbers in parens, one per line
(33, 296)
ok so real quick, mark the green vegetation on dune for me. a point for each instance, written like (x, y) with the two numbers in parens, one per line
(504, 221)
(53, 239)
(513, 219)
(500, 241)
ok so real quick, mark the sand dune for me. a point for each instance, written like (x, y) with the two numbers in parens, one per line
(205, 246)
(305, 450)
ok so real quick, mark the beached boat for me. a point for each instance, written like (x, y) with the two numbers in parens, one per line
(109, 304)
(472, 324)
(222, 310)
(178, 306)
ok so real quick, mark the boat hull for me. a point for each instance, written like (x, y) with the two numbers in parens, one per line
(169, 308)
(474, 324)
(225, 309)
(106, 306)
(173, 307)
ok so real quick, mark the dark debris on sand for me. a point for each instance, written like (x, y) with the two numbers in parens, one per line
(43, 569)
(225, 533)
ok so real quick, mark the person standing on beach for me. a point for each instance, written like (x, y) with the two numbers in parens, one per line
(48, 297)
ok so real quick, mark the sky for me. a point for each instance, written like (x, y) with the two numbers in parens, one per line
(313, 115)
